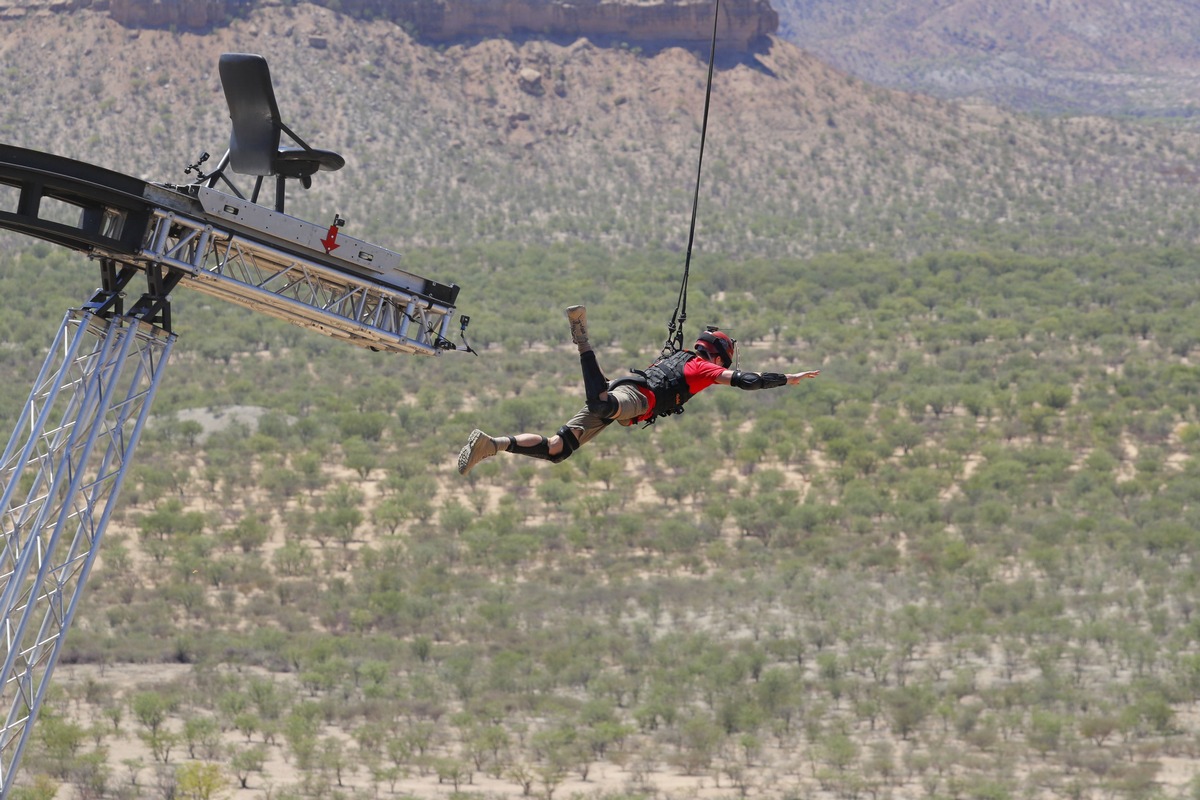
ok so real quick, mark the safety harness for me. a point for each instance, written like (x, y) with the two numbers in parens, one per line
(664, 378)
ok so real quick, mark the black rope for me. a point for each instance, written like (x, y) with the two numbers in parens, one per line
(674, 331)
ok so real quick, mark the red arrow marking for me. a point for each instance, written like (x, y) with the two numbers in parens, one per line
(330, 240)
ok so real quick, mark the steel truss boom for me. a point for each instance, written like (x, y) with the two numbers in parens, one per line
(227, 247)
(240, 269)
(60, 476)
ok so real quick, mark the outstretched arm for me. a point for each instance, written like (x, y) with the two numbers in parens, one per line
(765, 380)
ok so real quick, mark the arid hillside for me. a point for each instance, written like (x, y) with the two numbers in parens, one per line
(543, 141)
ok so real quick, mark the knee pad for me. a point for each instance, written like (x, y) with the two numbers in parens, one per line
(570, 443)
(605, 409)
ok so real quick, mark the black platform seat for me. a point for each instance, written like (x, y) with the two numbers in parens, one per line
(254, 147)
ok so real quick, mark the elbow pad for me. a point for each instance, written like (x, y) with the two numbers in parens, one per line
(753, 380)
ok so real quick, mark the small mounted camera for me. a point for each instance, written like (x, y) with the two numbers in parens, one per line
(196, 167)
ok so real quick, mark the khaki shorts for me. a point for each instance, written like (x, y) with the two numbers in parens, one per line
(632, 404)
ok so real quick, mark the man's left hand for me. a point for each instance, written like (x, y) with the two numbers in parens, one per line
(796, 377)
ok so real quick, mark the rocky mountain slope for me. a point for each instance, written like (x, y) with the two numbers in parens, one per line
(541, 140)
(1103, 56)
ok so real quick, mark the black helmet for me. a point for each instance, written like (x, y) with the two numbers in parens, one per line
(716, 344)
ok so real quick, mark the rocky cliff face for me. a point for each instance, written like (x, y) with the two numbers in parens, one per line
(642, 22)
(166, 13)
(741, 21)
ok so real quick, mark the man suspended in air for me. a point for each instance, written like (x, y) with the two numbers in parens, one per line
(659, 390)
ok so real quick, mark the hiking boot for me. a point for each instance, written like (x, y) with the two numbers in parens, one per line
(478, 447)
(577, 316)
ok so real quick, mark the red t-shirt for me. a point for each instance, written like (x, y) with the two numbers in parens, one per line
(698, 373)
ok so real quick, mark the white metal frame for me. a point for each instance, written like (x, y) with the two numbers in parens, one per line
(60, 476)
(236, 268)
